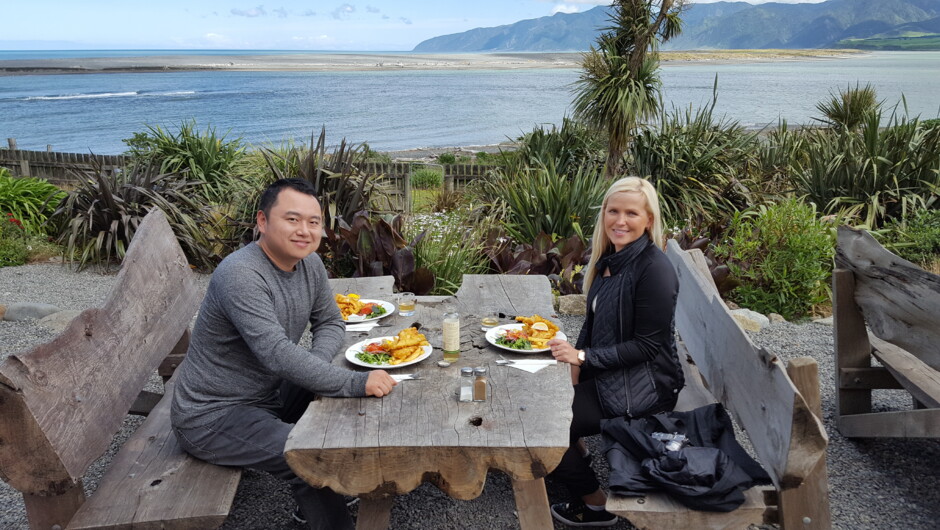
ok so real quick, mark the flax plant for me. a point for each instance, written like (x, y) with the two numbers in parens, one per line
(541, 199)
(700, 167)
(451, 248)
(877, 173)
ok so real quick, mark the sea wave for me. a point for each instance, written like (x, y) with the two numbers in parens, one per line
(102, 95)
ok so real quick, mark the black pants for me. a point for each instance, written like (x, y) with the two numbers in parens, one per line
(574, 471)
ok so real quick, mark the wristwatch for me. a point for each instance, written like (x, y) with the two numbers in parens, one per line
(581, 356)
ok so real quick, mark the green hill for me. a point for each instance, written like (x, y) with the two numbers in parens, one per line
(726, 25)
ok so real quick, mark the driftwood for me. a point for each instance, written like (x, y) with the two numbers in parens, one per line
(61, 403)
(900, 301)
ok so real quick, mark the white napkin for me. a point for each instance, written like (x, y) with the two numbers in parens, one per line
(362, 326)
(532, 365)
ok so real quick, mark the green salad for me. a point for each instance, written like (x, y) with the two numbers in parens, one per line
(519, 343)
(374, 358)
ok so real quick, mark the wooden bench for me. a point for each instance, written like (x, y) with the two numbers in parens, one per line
(778, 408)
(62, 402)
(900, 303)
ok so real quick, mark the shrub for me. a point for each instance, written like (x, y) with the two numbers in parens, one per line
(96, 221)
(877, 173)
(567, 147)
(446, 158)
(699, 166)
(28, 199)
(452, 247)
(543, 199)
(13, 249)
(917, 238)
(204, 157)
(425, 178)
(849, 108)
(782, 255)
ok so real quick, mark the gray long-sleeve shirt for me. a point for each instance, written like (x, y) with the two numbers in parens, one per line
(245, 340)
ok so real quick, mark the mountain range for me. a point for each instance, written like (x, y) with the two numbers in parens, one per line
(724, 25)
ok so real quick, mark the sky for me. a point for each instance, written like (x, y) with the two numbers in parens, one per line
(337, 25)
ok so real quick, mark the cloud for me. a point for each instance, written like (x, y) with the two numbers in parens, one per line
(371, 9)
(250, 13)
(342, 10)
(385, 17)
(405, 20)
(309, 13)
(565, 8)
(280, 12)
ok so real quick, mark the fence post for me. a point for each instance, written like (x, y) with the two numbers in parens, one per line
(448, 179)
(407, 188)
(12, 143)
(48, 148)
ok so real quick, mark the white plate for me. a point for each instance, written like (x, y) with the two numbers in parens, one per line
(389, 309)
(357, 348)
(498, 331)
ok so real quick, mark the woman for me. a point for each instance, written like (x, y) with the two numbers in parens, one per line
(624, 362)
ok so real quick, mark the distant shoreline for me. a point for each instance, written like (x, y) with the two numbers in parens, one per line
(326, 62)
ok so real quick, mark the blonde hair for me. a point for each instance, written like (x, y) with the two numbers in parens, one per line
(600, 242)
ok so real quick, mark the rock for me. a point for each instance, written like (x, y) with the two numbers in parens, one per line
(731, 305)
(824, 321)
(572, 304)
(28, 311)
(59, 320)
(750, 320)
(776, 318)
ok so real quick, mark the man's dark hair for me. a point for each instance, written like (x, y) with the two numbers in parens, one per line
(269, 196)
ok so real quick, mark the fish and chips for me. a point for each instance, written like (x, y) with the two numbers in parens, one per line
(407, 346)
(352, 304)
(534, 335)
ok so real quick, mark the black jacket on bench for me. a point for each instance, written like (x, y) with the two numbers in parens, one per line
(711, 474)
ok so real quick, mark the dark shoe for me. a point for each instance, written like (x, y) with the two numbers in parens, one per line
(299, 516)
(578, 514)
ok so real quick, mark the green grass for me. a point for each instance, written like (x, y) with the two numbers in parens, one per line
(922, 43)
(422, 201)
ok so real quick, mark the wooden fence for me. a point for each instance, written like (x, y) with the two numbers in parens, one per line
(64, 169)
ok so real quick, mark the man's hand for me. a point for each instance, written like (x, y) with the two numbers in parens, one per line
(379, 383)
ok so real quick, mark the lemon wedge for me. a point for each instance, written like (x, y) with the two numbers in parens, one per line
(540, 326)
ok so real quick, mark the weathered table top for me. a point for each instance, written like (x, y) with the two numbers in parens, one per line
(420, 432)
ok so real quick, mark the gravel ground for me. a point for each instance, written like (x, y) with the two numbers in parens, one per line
(872, 483)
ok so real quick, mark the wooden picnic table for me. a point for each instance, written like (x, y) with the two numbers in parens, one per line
(379, 448)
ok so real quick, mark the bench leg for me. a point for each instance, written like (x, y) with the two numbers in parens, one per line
(532, 504)
(374, 512)
(53, 512)
(807, 505)
(852, 349)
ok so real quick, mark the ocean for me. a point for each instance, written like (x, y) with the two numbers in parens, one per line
(404, 109)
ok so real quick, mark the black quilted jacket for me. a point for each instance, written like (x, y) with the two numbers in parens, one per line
(631, 349)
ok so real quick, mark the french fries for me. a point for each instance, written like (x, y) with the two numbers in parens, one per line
(407, 346)
(348, 305)
(538, 330)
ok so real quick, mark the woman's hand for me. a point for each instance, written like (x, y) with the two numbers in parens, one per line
(563, 351)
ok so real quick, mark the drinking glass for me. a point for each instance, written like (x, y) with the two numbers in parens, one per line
(406, 304)
(488, 319)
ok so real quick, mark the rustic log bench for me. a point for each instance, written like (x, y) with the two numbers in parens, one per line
(61, 403)
(900, 303)
(779, 409)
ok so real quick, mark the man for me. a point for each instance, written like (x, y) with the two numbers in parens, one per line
(245, 380)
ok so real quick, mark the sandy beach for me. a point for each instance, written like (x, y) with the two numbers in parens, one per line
(332, 62)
